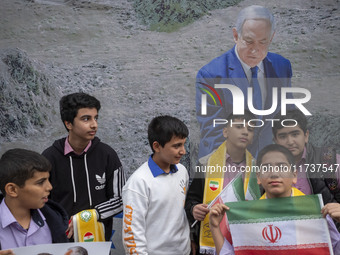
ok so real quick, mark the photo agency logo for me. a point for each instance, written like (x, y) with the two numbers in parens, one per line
(239, 99)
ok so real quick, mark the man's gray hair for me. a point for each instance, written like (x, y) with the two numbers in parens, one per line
(254, 12)
(78, 250)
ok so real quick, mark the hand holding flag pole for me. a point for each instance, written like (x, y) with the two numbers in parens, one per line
(226, 197)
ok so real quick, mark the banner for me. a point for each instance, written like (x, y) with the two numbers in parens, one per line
(96, 248)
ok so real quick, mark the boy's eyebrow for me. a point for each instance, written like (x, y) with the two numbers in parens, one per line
(291, 132)
(41, 179)
(88, 116)
(277, 163)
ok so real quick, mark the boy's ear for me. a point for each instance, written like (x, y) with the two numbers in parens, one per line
(156, 146)
(258, 179)
(11, 189)
(294, 181)
(274, 138)
(68, 124)
(306, 136)
(225, 132)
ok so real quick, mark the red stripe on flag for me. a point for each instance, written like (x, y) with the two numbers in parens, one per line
(281, 251)
(224, 225)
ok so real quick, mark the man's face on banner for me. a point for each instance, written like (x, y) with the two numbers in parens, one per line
(253, 43)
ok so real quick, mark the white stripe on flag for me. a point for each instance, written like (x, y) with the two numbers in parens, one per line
(292, 233)
(228, 192)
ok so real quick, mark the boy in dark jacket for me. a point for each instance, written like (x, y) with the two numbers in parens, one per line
(86, 173)
(27, 216)
(317, 168)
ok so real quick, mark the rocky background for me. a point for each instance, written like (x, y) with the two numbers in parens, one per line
(115, 50)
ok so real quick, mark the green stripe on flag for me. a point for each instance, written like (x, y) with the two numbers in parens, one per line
(278, 209)
(253, 187)
(237, 186)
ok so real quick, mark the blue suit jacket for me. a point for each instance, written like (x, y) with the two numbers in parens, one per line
(227, 69)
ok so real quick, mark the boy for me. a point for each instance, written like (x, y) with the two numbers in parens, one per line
(276, 184)
(154, 195)
(27, 216)
(232, 154)
(86, 173)
(307, 157)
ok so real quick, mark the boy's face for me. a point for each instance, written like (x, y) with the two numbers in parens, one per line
(84, 125)
(34, 194)
(276, 175)
(171, 153)
(238, 135)
(294, 139)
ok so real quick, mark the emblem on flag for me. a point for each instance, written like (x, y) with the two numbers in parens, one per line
(271, 233)
(213, 185)
(88, 237)
(86, 215)
(287, 225)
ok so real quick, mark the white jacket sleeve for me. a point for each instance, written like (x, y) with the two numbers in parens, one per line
(135, 207)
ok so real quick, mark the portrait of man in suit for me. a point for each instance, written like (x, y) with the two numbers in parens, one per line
(247, 64)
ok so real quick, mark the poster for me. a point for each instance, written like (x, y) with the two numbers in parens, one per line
(50, 48)
(65, 249)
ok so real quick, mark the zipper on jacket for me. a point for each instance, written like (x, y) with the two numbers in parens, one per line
(73, 184)
(88, 181)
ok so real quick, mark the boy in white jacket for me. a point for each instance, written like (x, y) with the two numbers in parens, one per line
(153, 198)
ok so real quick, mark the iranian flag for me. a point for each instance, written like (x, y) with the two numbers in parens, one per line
(88, 237)
(252, 189)
(213, 185)
(232, 192)
(290, 225)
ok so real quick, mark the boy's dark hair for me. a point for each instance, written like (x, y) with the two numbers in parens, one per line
(246, 116)
(19, 165)
(162, 128)
(275, 148)
(294, 114)
(70, 104)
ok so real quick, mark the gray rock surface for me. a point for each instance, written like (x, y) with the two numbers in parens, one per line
(100, 47)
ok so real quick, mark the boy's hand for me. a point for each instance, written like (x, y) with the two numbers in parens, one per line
(69, 230)
(7, 252)
(333, 209)
(200, 211)
(216, 215)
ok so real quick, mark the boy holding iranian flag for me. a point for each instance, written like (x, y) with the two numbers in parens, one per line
(273, 161)
(218, 169)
